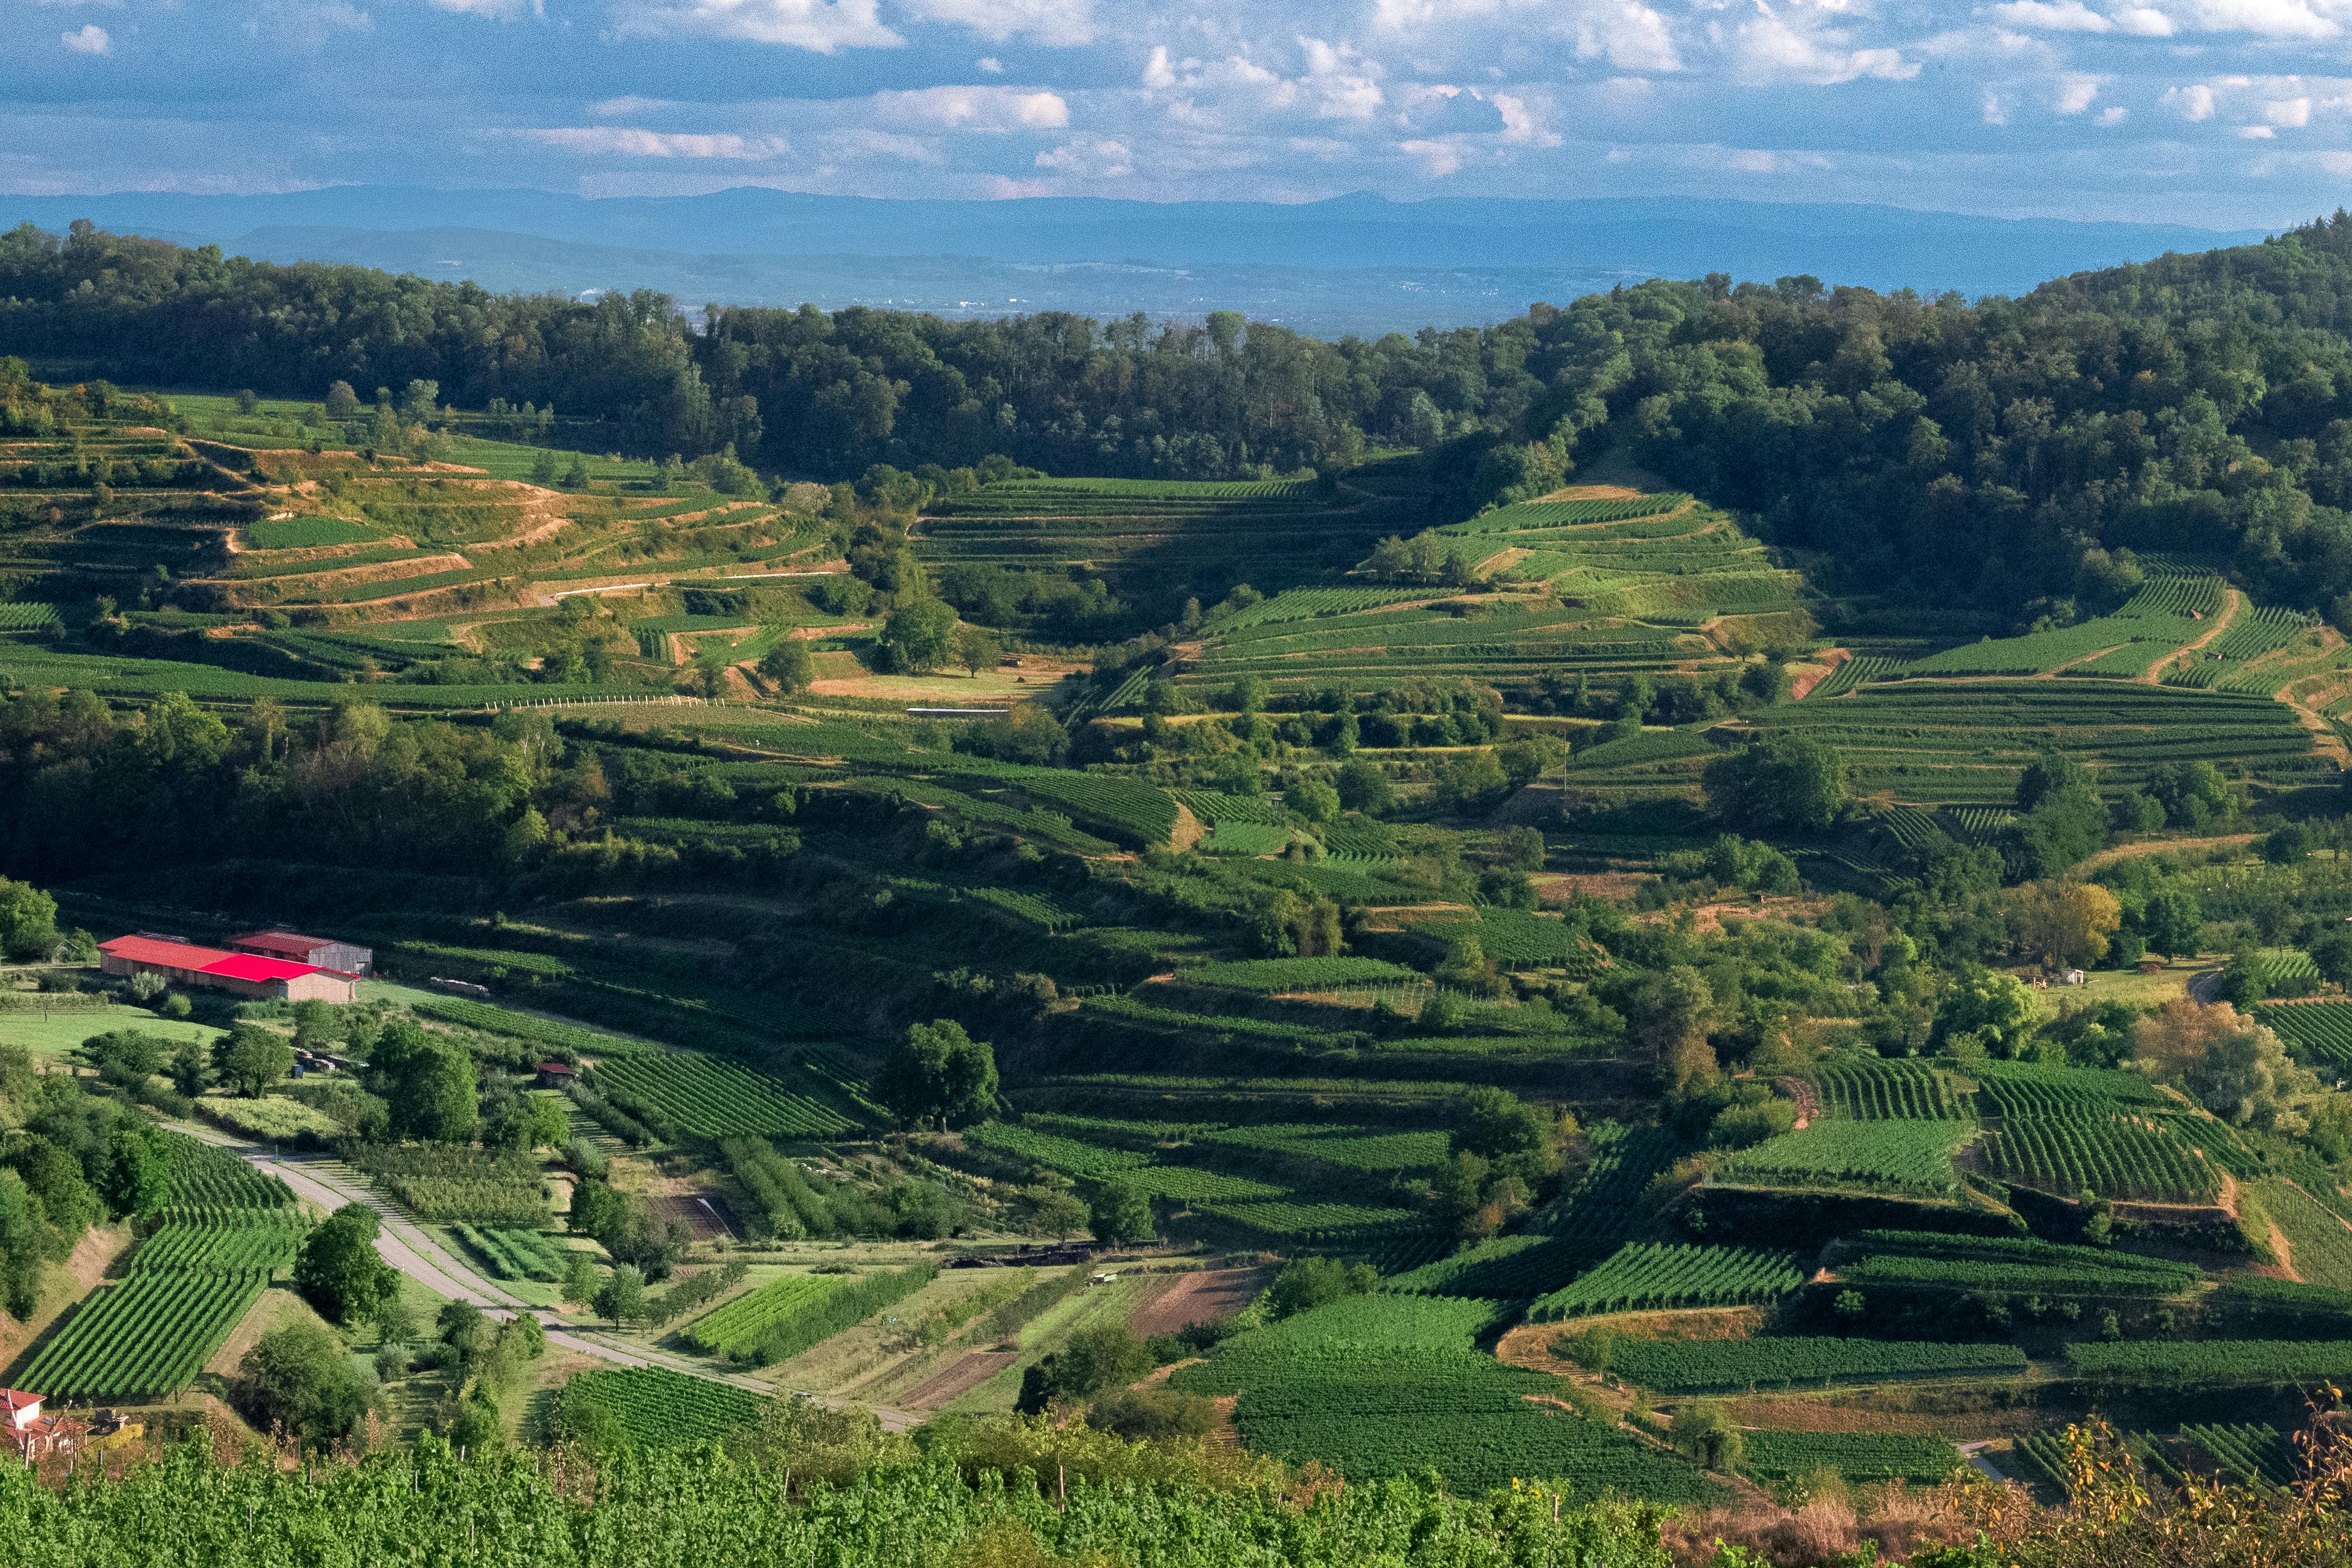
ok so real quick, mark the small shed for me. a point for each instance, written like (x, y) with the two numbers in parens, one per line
(556, 1074)
(2072, 978)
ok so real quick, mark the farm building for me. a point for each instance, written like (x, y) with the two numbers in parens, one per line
(556, 1074)
(244, 974)
(29, 1431)
(321, 952)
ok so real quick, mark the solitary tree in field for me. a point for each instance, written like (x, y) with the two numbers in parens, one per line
(253, 1059)
(788, 666)
(939, 1073)
(919, 635)
(337, 1269)
(622, 1298)
(975, 650)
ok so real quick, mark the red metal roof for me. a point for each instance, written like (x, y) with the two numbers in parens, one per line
(170, 955)
(17, 1399)
(559, 1069)
(280, 942)
(251, 966)
(205, 960)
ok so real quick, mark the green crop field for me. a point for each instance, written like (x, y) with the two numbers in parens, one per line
(1938, 1260)
(2286, 1361)
(2117, 1156)
(224, 1230)
(654, 1408)
(1873, 1087)
(742, 1322)
(1300, 973)
(515, 1254)
(2314, 1033)
(1698, 1366)
(708, 1098)
(1382, 1383)
(1649, 1275)
(1900, 1157)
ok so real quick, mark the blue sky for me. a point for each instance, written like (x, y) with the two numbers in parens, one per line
(2223, 112)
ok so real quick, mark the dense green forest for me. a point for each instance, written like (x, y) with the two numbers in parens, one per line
(1996, 452)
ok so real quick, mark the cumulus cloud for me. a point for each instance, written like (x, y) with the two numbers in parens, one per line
(1089, 160)
(628, 141)
(2194, 103)
(1772, 49)
(90, 39)
(501, 10)
(823, 26)
(2265, 18)
(1057, 21)
(2288, 111)
(2075, 92)
(984, 109)
(1628, 35)
(2073, 16)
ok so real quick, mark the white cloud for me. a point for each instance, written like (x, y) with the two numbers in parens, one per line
(1997, 105)
(992, 65)
(2113, 116)
(2288, 111)
(866, 141)
(1089, 160)
(1059, 22)
(2041, 15)
(501, 10)
(2256, 132)
(2194, 103)
(629, 104)
(986, 108)
(1341, 82)
(1763, 161)
(1521, 124)
(90, 40)
(628, 141)
(822, 26)
(2144, 22)
(1630, 36)
(2075, 92)
(2268, 18)
(2336, 164)
(1771, 50)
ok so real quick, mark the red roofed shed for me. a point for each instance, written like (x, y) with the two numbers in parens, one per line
(245, 973)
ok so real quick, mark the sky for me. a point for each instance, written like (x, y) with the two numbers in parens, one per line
(2224, 113)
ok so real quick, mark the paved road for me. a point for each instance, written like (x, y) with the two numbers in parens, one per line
(404, 1245)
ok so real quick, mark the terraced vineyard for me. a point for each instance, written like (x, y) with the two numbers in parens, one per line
(1701, 1366)
(1142, 535)
(706, 1097)
(2120, 1157)
(1874, 1088)
(2314, 1033)
(1649, 1275)
(1964, 744)
(1898, 1156)
(1382, 1384)
(224, 1228)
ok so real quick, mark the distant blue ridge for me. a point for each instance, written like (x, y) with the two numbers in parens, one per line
(1358, 263)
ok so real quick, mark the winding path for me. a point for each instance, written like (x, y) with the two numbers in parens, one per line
(404, 1245)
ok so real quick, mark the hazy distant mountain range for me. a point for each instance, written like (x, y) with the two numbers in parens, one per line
(1354, 264)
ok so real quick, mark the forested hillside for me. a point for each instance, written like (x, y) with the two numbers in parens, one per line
(1993, 452)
